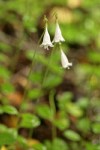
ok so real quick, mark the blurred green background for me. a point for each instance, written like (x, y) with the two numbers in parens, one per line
(75, 110)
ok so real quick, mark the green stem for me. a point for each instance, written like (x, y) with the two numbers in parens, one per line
(52, 105)
(27, 85)
(45, 74)
(29, 74)
(30, 133)
(44, 78)
(26, 89)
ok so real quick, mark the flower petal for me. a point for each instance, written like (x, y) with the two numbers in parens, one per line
(58, 35)
(64, 60)
(46, 40)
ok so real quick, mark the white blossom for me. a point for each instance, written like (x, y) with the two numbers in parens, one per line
(46, 40)
(64, 60)
(58, 35)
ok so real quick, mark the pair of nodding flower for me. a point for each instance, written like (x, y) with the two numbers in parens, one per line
(58, 38)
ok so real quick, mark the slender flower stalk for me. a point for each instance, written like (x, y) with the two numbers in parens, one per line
(25, 98)
(41, 88)
(46, 73)
(53, 107)
(46, 38)
(25, 95)
(64, 60)
(58, 35)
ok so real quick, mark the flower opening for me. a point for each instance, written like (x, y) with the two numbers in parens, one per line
(58, 35)
(64, 61)
(46, 40)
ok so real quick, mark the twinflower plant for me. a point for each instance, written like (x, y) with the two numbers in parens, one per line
(58, 38)
(64, 60)
(46, 38)
(58, 35)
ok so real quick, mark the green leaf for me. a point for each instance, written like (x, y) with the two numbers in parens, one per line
(34, 94)
(65, 96)
(7, 88)
(52, 67)
(74, 109)
(91, 146)
(4, 73)
(57, 144)
(96, 128)
(10, 110)
(39, 146)
(61, 123)
(36, 77)
(29, 121)
(90, 4)
(3, 58)
(2, 128)
(94, 56)
(71, 135)
(7, 138)
(63, 99)
(74, 145)
(52, 81)
(4, 47)
(22, 142)
(1, 109)
(45, 112)
(83, 102)
(84, 122)
(73, 36)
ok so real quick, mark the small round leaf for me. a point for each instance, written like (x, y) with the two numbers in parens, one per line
(71, 135)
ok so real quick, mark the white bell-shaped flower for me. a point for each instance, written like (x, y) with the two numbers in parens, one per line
(46, 40)
(64, 60)
(58, 35)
